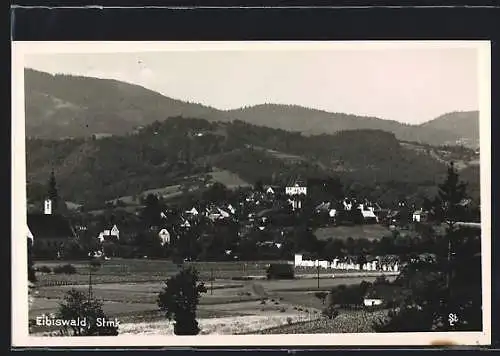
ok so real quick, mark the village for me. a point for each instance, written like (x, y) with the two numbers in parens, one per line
(268, 215)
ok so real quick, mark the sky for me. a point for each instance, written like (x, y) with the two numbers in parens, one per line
(407, 85)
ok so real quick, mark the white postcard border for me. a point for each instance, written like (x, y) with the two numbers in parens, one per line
(20, 334)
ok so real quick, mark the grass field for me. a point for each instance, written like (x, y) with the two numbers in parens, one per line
(352, 321)
(143, 270)
(129, 290)
(229, 179)
(370, 232)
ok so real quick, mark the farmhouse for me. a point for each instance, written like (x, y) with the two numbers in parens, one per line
(164, 236)
(296, 187)
(368, 213)
(348, 204)
(381, 295)
(50, 231)
(193, 211)
(270, 190)
(110, 234)
(419, 216)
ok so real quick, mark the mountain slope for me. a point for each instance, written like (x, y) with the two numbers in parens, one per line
(464, 125)
(59, 106)
(164, 154)
(315, 122)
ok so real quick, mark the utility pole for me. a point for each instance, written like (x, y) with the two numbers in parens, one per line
(318, 275)
(211, 281)
(90, 282)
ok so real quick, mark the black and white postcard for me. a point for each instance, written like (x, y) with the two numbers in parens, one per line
(245, 193)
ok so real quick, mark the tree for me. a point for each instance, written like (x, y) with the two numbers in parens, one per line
(446, 207)
(217, 193)
(449, 286)
(179, 300)
(334, 249)
(149, 244)
(151, 214)
(76, 306)
(31, 269)
(259, 186)
(321, 296)
(52, 191)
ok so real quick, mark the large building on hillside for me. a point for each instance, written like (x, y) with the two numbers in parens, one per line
(296, 189)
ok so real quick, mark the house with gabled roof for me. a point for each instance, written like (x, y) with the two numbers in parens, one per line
(185, 223)
(192, 211)
(112, 234)
(296, 186)
(164, 236)
(419, 215)
(296, 189)
(368, 213)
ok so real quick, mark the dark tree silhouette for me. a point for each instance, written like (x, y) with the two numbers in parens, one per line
(448, 287)
(53, 194)
(259, 186)
(151, 214)
(76, 305)
(31, 269)
(179, 300)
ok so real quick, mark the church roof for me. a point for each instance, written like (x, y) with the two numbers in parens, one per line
(50, 226)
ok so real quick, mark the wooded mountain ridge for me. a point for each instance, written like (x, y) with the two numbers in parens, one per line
(170, 152)
(61, 106)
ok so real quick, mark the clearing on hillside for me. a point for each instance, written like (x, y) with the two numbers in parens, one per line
(229, 179)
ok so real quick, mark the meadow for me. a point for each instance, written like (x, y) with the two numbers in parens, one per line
(129, 290)
(348, 321)
(145, 270)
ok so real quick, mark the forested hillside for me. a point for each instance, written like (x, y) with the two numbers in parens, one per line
(60, 106)
(165, 153)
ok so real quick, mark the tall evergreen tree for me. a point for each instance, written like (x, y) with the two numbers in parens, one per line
(446, 207)
(450, 287)
(151, 214)
(53, 194)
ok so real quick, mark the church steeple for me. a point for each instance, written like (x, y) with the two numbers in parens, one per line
(53, 196)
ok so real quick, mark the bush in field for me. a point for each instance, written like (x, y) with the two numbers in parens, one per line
(77, 305)
(321, 296)
(65, 269)
(280, 271)
(44, 269)
(348, 296)
(381, 280)
(330, 312)
(73, 250)
(41, 251)
(179, 300)
(95, 264)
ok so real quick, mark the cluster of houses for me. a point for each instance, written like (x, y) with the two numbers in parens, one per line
(269, 208)
(375, 264)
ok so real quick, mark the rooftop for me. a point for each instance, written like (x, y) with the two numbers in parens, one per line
(50, 226)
